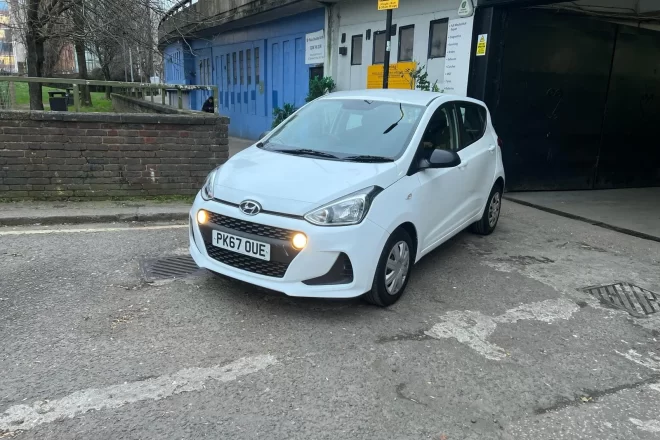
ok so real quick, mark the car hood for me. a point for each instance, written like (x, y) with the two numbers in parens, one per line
(295, 185)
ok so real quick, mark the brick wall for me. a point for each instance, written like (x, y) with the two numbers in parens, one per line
(49, 155)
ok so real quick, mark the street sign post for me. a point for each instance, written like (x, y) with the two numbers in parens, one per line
(387, 5)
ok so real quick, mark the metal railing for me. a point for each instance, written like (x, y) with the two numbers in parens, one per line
(127, 88)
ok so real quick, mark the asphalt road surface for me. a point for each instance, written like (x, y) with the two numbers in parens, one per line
(493, 340)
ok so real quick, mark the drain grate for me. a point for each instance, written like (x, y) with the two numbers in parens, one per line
(170, 267)
(635, 300)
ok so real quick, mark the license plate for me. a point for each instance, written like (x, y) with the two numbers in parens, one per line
(241, 245)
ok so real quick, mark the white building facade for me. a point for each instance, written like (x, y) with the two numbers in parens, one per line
(428, 32)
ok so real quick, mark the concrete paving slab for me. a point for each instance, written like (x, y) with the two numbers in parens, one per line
(635, 211)
(50, 213)
(236, 145)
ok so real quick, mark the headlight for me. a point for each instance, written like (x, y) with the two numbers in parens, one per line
(207, 189)
(349, 210)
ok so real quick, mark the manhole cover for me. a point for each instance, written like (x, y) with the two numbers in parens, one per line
(634, 299)
(171, 267)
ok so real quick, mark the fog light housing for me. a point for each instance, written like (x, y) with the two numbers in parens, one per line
(202, 216)
(299, 241)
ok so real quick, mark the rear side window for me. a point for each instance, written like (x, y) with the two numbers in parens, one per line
(472, 119)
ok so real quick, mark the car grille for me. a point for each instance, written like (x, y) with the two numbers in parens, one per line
(251, 228)
(250, 264)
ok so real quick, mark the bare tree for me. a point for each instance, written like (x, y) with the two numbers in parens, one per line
(42, 17)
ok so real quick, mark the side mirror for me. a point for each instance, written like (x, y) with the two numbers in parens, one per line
(440, 159)
(264, 134)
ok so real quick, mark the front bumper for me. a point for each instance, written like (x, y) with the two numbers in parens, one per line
(362, 244)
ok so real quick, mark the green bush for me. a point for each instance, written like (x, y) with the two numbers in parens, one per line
(320, 86)
(419, 79)
(280, 114)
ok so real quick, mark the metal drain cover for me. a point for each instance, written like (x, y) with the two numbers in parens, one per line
(635, 300)
(171, 267)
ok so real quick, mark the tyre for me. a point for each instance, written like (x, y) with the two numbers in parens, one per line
(488, 221)
(393, 271)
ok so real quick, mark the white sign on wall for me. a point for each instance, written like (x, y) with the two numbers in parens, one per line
(315, 48)
(457, 59)
(465, 9)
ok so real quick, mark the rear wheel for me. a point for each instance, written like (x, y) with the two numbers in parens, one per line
(393, 271)
(489, 220)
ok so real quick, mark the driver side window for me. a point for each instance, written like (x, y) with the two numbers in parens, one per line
(442, 131)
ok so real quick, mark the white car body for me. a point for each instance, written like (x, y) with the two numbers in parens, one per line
(432, 204)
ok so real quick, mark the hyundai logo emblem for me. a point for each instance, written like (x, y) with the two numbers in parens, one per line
(250, 207)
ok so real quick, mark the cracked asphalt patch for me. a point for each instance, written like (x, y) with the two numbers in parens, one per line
(492, 341)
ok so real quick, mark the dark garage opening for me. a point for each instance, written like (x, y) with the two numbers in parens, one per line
(575, 98)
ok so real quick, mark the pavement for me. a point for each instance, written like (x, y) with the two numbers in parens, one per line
(634, 211)
(494, 339)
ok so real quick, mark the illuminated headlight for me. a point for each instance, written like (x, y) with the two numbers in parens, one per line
(349, 210)
(299, 241)
(202, 216)
(207, 189)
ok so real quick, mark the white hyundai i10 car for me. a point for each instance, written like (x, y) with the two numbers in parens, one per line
(343, 197)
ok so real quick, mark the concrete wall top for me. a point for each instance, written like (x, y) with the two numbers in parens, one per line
(208, 17)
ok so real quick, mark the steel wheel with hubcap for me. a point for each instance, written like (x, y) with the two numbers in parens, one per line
(393, 271)
(396, 270)
(494, 209)
(491, 215)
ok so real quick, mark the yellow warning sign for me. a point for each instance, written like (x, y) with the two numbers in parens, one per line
(400, 76)
(482, 42)
(387, 4)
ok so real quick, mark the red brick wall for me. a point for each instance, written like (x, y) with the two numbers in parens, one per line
(48, 155)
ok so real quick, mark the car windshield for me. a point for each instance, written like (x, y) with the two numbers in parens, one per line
(348, 129)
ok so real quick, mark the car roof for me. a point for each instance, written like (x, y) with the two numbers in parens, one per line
(414, 97)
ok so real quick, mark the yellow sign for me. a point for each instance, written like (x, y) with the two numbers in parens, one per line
(387, 4)
(399, 78)
(482, 41)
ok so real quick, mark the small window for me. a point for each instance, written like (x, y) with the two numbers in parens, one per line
(228, 70)
(256, 65)
(248, 58)
(233, 59)
(438, 38)
(406, 43)
(472, 118)
(441, 132)
(379, 47)
(241, 66)
(356, 50)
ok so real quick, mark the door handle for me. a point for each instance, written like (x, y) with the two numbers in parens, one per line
(491, 148)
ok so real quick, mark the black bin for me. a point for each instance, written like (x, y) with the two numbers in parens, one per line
(58, 101)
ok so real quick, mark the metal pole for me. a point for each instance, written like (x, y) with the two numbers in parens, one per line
(388, 42)
(130, 60)
(123, 58)
(76, 98)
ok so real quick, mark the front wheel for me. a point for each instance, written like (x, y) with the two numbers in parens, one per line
(393, 271)
(488, 221)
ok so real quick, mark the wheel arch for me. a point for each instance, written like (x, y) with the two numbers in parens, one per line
(411, 230)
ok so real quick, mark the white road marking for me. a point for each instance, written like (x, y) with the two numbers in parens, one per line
(648, 426)
(655, 386)
(85, 230)
(651, 361)
(24, 417)
(473, 328)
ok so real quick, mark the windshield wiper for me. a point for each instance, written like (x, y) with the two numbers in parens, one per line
(307, 152)
(367, 158)
(393, 126)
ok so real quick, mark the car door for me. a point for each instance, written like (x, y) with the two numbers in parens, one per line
(441, 196)
(478, 154)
